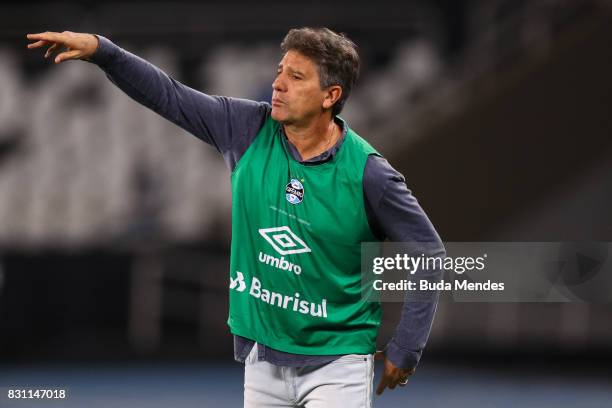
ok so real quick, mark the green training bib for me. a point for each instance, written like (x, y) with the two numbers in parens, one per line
(295, 280)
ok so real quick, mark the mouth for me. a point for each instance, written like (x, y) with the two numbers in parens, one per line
(277, 102)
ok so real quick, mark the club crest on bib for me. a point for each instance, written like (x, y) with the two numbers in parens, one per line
(294, 191)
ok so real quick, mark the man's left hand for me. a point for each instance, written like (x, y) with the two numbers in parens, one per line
(392, 376)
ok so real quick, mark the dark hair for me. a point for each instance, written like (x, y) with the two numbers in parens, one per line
(334, 54)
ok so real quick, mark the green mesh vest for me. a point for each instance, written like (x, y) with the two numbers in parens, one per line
(295, 280)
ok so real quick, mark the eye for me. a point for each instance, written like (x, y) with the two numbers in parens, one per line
(296, 77)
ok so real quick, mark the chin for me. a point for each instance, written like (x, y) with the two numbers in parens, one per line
(278, 116)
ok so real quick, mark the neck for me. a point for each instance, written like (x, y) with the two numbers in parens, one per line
(313, 138)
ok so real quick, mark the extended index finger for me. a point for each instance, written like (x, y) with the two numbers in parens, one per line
(46, 36)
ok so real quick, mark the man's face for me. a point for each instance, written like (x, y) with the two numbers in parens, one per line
(297, 96)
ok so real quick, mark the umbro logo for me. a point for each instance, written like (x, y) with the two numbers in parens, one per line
(284, 241)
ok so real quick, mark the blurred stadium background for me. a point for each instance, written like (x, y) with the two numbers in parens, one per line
(115, 224)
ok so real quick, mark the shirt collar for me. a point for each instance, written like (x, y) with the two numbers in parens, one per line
(326, 155)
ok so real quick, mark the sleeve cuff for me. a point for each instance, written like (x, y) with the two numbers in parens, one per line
(105, 52)
(404, 359)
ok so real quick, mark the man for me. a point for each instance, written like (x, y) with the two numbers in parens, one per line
(306, 191)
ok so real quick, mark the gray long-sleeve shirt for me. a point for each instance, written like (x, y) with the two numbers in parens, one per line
(231, 125)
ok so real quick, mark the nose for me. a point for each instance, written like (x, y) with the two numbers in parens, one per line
(279, 84)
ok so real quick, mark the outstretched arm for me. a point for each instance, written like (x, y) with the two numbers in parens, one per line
(229, 124)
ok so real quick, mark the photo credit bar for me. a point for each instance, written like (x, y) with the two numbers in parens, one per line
(487, 272)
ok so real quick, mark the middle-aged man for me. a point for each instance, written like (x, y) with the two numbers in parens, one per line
(306, 192)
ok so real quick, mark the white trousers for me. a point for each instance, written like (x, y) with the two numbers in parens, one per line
(345, 382)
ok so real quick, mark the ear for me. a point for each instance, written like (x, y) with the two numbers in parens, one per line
(332, 96)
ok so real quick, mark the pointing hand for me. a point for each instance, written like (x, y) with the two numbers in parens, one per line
(76, 45)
